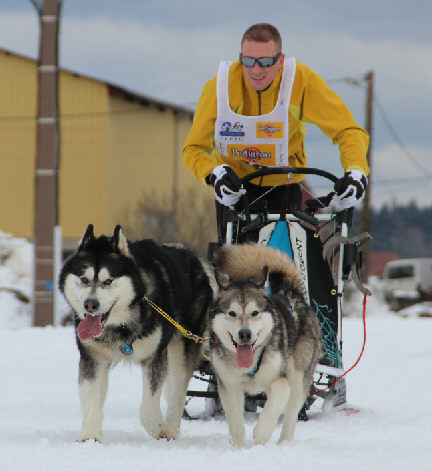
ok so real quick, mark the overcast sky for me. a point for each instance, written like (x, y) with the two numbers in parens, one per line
(168, 49)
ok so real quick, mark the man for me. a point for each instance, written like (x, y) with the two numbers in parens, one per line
(252, 114)
(225, 144)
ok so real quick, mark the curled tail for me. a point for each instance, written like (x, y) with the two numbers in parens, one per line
(245, 261)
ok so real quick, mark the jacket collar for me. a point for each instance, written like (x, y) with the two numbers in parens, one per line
(272, 89)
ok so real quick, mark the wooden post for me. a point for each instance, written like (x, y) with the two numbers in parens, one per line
(47, 164)
(365, 225)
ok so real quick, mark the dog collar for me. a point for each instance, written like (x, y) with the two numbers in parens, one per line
(252, 373)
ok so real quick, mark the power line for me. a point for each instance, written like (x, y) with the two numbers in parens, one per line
(84, 114)
(359, 81)
(385, 181)
(397, 138)
(353, 80)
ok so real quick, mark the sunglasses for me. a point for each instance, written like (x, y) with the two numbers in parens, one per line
(262, 61)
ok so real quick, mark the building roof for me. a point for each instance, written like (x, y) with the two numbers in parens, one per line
(118, 90)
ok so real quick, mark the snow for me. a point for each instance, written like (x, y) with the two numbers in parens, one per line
(420, 309)
(40, 413)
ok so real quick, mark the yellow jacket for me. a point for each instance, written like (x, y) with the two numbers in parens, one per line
(312, 101)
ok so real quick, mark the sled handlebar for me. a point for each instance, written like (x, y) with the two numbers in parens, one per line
(287, 170)
(308, 218)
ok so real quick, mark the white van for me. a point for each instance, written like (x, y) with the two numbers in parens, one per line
(402, 279)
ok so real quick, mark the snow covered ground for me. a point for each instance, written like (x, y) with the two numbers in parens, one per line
(40, 413)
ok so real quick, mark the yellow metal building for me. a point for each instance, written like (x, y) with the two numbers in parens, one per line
(114, 145)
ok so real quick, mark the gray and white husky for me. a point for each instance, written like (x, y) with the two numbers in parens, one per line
(262, 342)
(105, 282)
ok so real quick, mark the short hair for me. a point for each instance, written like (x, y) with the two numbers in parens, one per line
(262, 33)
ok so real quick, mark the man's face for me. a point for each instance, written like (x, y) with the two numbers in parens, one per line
(261, 77)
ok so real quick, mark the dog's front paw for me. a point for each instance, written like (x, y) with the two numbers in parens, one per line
(237, 440)
(261, 434)
(284, 439)
(85, 437)
(88, 440)
(167, 435)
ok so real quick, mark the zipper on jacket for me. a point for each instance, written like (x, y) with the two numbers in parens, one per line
(259, 112)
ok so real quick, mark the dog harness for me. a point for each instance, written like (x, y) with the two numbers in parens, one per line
(257, 140)
(252, 373)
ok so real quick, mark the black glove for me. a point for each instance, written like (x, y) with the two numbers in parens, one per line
(349, 190)
(226, 184)
(319, 203)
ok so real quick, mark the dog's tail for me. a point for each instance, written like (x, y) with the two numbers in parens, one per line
(245, 261)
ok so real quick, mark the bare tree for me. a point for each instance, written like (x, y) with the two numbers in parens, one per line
(193, 224)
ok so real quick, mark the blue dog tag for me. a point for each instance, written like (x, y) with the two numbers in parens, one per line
(127, 349)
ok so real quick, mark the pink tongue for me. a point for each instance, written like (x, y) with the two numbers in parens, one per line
(244, 356)
(90, 327)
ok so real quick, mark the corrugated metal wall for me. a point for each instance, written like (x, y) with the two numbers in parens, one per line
(83, 130)
(17, 143)
(114, 148)
(145, 154)
(84, 106)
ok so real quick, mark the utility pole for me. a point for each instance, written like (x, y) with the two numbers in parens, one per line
(365, 224)
(47, 162)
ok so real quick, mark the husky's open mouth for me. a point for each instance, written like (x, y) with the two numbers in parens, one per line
(244, 353)
(92, 325)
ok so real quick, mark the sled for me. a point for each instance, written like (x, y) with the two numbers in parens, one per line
(312, 239)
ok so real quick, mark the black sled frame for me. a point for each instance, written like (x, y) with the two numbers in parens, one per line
(343, 254)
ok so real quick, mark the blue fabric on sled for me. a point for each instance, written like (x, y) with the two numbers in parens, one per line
(280, 238)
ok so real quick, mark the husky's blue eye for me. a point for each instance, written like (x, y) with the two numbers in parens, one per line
(254, 313)
(232, 314)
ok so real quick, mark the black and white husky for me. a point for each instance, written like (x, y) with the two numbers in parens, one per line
(262, 342)
(105, 282)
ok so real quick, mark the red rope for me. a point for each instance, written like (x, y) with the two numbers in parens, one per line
(359, 357)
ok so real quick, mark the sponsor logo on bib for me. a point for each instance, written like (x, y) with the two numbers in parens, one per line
(269, 130)
(250, 153)
(262, 154)
(229, 129)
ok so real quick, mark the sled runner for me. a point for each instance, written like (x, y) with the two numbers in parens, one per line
(327, 257)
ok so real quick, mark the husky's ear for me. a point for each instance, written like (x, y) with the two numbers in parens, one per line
(261, 278)
(120, 242)
(222, 279)
(86, 238)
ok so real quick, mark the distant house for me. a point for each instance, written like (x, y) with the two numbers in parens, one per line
(378, 261)
(115, 144)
